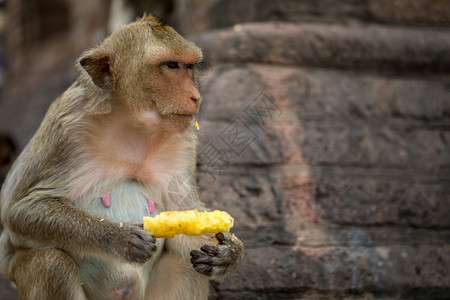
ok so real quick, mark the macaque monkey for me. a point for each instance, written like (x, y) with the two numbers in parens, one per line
(108, 152)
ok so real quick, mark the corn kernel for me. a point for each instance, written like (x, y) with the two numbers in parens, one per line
(190, 222)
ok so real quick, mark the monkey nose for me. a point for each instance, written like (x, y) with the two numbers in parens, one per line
(195, 97)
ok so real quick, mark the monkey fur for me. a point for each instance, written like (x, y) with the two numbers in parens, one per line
(118, 144)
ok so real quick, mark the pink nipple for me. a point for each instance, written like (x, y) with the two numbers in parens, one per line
(106, 199)
(151, 205)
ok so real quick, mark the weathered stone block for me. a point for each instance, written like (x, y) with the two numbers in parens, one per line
(327, 117)
(365, 200)
(352, 46)
(241, 142)
(318, 93)
(249, 197)
(410, 11)
(365, 144)
(393, 271)
(195, 16)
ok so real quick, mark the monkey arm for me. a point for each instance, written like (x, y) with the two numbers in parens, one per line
(52, 221)
(57, 223)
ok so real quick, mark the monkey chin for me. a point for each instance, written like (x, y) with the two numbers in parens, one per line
(171, 123)
(177, 123)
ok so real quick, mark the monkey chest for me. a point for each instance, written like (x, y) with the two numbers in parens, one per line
(124, 201)
(106, 277)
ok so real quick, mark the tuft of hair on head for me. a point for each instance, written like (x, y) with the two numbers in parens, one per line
(152, 20)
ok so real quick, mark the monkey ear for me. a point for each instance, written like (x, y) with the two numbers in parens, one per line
(99, 65)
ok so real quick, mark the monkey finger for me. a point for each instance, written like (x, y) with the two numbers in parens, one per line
(211, 250)
(221, 238)
(198, 256)
(204, 269)
(146, 237)
(196, 253)
(212, 271)
(144, 249)
(202, 258)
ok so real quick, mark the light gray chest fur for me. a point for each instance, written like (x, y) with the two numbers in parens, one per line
(129, 202)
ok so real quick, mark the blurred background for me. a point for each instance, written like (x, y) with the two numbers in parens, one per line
(325, 131)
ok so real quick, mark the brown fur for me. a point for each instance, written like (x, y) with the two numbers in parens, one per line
(123, 127)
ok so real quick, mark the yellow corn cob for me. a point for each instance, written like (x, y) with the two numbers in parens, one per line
(189, 222)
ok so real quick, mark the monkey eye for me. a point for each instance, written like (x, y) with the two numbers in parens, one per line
(190, 66)
(172, 65)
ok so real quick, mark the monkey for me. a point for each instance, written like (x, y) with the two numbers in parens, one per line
(118, 144)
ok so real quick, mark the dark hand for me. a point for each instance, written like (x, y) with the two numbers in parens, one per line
(139, 244)
(216, 261)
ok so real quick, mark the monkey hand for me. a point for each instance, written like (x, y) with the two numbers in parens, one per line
(216, 261)
(136, 244)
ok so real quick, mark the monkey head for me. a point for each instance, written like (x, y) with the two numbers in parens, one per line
(148, 70)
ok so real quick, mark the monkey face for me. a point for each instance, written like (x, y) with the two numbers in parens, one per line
(173, 92)
(154, 76)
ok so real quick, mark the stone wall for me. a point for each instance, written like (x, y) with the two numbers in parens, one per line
(325, 133)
